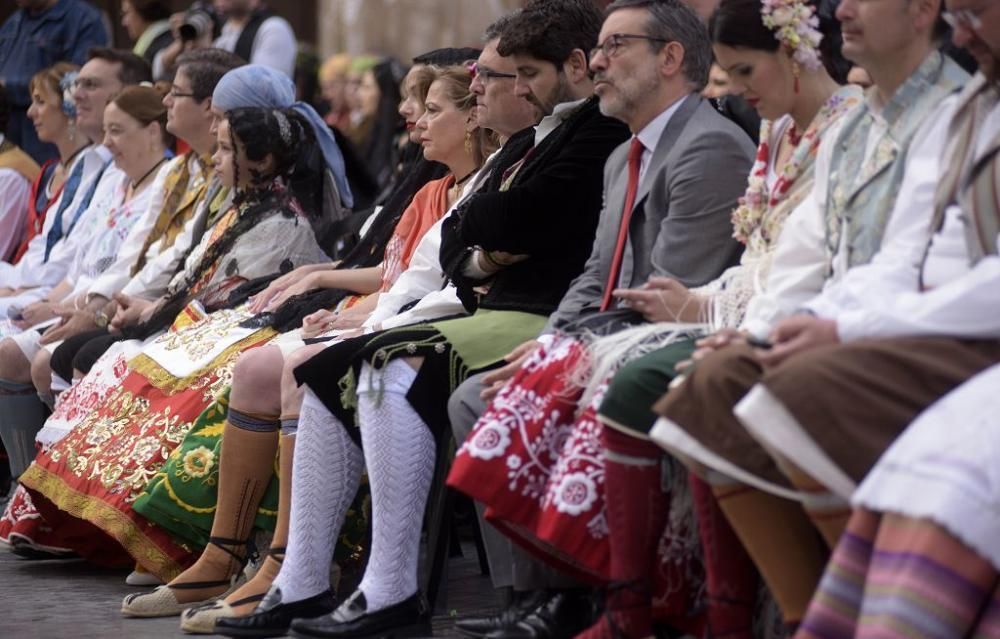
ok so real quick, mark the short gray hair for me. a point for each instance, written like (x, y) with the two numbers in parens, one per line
(675, 21)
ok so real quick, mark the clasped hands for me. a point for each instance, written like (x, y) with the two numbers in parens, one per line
(123, 310)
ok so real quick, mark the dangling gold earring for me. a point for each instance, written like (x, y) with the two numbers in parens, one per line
(796, 71)
(468, 142)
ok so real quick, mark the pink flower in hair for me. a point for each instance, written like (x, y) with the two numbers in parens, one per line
(796, 27)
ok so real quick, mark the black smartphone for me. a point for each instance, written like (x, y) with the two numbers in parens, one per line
(762, 344)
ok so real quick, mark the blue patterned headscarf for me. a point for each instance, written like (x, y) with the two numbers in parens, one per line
(254, 85)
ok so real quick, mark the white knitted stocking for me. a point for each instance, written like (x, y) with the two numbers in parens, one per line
(399, 453)
(325, 478)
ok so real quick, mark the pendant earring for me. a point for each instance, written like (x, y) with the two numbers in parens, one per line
(468, 142)
(795, 72)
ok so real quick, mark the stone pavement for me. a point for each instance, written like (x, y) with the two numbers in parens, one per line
(74, 600)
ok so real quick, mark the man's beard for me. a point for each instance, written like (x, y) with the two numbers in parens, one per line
(625, 101)
(559, 94)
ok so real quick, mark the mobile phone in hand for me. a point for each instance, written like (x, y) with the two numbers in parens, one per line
(762, 344)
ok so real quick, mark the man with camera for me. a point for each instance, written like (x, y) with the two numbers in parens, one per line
(256, 34)
(249, 28)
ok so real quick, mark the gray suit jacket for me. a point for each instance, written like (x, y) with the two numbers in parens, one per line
(680, 224)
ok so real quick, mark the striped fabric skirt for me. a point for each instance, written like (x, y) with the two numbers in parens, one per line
(894, 576)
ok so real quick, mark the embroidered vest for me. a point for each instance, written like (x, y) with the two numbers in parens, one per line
(972, 173)
(183, 189)
(862, 193)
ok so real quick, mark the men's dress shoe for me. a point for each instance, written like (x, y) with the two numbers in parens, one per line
(408, 618)
(479, 627)
(35, 553)
(563, 616)
(272, 618)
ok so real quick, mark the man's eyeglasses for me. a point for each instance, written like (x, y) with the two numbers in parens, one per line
(485, 74)
(174, 93)
(614, 42)
(86, 84)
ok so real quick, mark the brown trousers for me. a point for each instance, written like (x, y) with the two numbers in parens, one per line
(853, 399)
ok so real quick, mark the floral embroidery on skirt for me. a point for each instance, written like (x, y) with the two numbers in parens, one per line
(536, 460)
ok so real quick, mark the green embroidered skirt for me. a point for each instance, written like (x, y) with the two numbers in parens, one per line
(182, 497)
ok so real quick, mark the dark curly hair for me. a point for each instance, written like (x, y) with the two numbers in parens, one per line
(279, 133)
(551, 30)
(259, 132)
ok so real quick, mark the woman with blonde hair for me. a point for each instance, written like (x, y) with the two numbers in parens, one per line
(52, 113)
(333, 87)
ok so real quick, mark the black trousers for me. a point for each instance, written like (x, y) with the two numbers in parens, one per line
(81, 351)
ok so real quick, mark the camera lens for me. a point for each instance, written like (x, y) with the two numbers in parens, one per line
(196, 23)
(188, 32)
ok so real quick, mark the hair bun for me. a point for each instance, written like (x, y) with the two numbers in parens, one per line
(162, 87)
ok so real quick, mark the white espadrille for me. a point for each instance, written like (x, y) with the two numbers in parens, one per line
(200, 620)
(162, 602)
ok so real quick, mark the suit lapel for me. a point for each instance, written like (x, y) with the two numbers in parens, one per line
(657, 164)
(666, 144)
(618, 188)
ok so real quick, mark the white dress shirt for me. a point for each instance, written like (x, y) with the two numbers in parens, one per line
(960, 300)
(651, 133)
(798, 277)
(33, 271)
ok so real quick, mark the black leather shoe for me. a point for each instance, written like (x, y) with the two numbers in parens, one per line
(408, 618)
(563, 616)
(479, 627)
(272, 618)
(26, 551)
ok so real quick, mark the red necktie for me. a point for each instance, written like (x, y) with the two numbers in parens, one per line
(634, 162)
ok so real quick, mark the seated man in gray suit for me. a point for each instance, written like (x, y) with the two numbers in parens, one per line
(668, 196)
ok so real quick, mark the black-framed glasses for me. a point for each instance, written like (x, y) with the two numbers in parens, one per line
(614, 42)
(174, 93)
(485, 74)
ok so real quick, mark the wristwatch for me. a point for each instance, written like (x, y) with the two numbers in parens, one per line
(101, 319)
